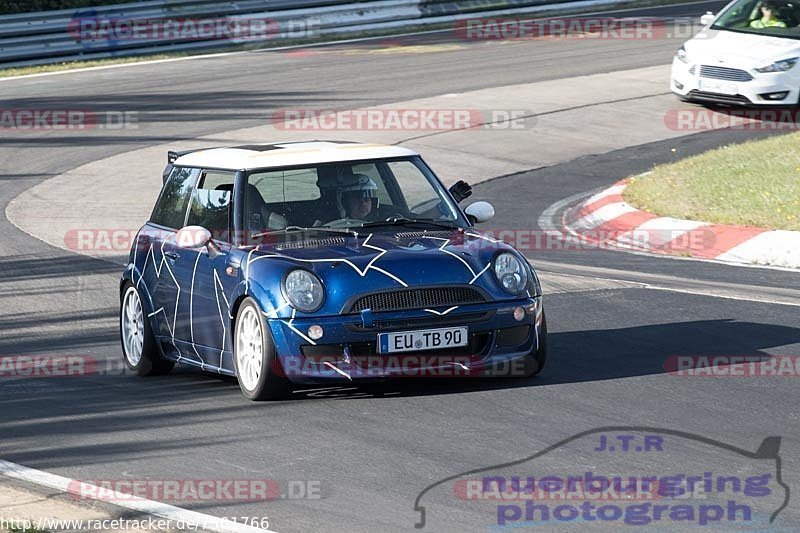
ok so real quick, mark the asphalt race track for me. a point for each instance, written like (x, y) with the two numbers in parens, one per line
(614, 317)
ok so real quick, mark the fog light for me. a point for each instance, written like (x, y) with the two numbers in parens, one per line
(519, 314)
(678, 85)
(315, 332)
(774, 96)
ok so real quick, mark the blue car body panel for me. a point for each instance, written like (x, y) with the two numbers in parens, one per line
(191, 295)
(192, 300)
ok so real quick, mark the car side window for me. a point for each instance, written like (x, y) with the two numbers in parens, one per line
(210, 206)
(283, 186)
(170, 210)
(419, 195)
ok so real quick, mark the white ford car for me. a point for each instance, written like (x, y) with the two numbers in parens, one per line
(746, 55)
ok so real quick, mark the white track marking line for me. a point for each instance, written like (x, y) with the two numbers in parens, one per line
(661, 282)
(126, 501)
(548, 219)
(698, 292)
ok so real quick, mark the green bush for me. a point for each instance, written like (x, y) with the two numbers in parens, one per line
(27, 6)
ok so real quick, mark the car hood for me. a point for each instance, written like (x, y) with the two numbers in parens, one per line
(738, 49)
(350, 266)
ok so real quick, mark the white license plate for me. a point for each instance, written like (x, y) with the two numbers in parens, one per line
(429, 339)
(719, 87)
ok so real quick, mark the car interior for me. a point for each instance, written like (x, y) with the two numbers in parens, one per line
(743, 15)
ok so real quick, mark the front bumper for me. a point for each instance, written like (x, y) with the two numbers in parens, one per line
(498, 344)
(688, 84)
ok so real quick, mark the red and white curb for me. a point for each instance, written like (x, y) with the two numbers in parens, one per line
(606, 219)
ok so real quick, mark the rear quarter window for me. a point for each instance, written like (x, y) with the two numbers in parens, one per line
(170, 209)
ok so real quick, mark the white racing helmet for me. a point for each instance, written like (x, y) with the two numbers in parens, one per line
(359, 185)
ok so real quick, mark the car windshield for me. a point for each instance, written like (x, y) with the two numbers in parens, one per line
(776, 18)
(378, 195)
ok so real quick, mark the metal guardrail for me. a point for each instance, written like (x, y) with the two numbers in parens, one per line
(53, 36)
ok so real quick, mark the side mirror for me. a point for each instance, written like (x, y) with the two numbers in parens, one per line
(196, 237)
(461, 190)
(707, 19)
(193, 237)
(479, 212)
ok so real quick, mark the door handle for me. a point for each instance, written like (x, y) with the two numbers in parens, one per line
(172, 256)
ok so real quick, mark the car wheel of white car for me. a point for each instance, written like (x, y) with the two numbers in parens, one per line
(138, 344)
(254, 357)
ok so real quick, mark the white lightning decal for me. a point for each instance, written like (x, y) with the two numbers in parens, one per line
(442, 313)
(362, 273)
(291, 326)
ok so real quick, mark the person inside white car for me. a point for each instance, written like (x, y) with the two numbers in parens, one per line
(769, 16)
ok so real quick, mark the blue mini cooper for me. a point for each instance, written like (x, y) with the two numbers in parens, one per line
(324, 262)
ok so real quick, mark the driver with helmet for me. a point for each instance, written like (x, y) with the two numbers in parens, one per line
(357, 196)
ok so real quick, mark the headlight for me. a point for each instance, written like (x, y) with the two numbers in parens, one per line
(779, 66)
(511, 274)
(682, 55)
(303, 290)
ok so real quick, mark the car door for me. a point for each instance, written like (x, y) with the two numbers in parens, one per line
(207, 285)
(161, 271)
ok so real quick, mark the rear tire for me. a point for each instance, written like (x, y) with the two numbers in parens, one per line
(139, 349)
(255, 358)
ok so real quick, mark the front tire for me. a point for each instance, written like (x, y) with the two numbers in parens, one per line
(139, 347)
(254, 356)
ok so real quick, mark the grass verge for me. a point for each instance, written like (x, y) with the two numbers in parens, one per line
(756, 183)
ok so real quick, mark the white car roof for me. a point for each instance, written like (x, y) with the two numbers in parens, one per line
(262, 156)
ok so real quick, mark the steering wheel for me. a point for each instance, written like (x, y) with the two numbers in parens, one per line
(345, 222)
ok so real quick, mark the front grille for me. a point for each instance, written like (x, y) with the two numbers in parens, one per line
(432, 321)
(406, 299)
(719, 98)
(724, 73)
(312, 243)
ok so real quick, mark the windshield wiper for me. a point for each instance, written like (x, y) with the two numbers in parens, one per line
(289, 229)
(403, 221)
